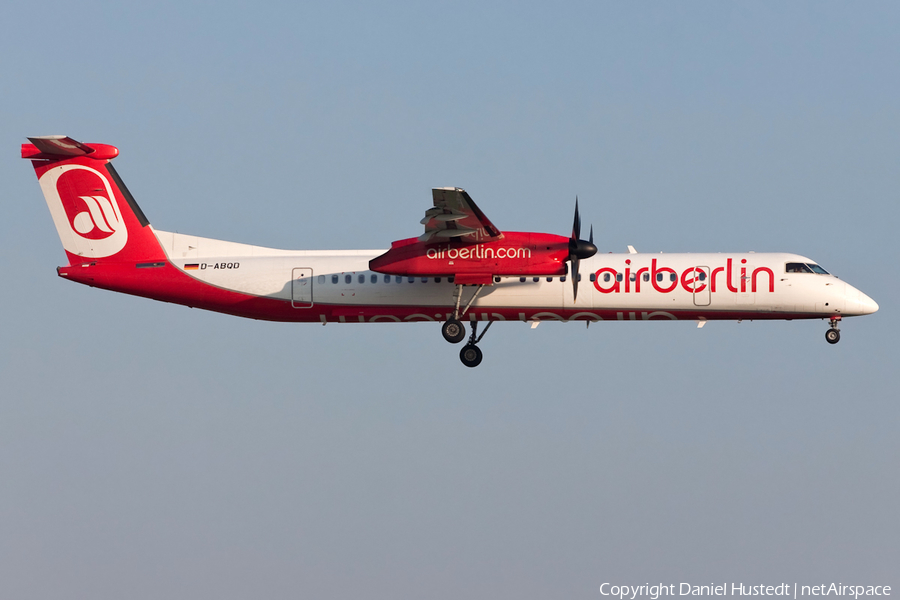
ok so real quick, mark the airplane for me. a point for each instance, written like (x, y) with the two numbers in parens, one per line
(461, 268)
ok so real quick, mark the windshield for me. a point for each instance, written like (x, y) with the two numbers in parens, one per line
(804, 268)
(796, 268)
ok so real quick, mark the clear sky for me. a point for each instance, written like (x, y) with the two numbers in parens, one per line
(152, 451)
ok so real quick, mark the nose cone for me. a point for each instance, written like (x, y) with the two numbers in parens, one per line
(867, 305)
(858, 303)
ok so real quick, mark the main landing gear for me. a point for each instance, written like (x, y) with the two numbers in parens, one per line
(471, 354)
(454, 331)
(833, 335)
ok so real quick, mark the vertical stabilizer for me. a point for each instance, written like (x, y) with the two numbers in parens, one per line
(96, 217)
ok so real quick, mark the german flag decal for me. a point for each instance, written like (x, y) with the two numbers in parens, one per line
(191, 267)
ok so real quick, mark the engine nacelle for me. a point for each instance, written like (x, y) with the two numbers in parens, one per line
(515, 254)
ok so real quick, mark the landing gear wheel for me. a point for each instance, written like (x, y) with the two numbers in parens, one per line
(453, 331)
(833, 336)
(471, 355)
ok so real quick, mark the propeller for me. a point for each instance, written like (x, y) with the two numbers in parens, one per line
(579, 249)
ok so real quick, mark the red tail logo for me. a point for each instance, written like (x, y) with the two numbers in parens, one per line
(83, 204)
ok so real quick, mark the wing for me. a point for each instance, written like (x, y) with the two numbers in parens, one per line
(455, 215)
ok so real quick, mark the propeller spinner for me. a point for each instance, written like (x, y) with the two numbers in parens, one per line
(579, 249)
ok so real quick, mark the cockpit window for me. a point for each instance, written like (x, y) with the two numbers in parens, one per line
(805, 268)
(796, 268)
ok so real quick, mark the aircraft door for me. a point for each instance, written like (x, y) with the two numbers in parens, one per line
(301, 288)
(701, 286)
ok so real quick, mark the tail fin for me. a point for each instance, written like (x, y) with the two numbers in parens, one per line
(94, 213)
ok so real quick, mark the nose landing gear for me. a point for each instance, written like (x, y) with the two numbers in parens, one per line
(833, 335)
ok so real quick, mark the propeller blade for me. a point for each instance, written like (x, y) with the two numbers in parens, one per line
(575, 261)
(578, 249)
(576, 226)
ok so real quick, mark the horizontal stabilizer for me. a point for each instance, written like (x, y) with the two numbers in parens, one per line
(60, 147)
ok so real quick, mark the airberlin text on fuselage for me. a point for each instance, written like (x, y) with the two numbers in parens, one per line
(692, 279)
(477, 252)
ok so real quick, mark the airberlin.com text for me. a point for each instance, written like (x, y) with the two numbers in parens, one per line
(790, 590)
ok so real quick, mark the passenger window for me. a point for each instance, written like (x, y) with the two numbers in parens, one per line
(412, 279)
(593, 277)
(549, 279)
(334, 279)
(387, 278)
(348, 278)
(496, 280)
(606, 277)
(646, 277)
(374, 278)
(619, 277)
(673, 277)
(362, 278)
(399, 279)
(451, 279)
(437, 279)
(424, 280)
(535, 279)
(579, 277)
(521, 280)
(633, 277)
(321, 279)
(659, 276)
(702, 276)
(563, 278)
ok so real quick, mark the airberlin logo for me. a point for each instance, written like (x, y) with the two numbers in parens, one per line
(693, 279)
(84, 210)
(478, 252)
(98, 220)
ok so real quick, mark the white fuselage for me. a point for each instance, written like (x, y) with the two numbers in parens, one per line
(612, 286)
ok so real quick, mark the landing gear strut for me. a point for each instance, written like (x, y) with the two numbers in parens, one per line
(453, 330)
(833, 335)
(471, 354)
